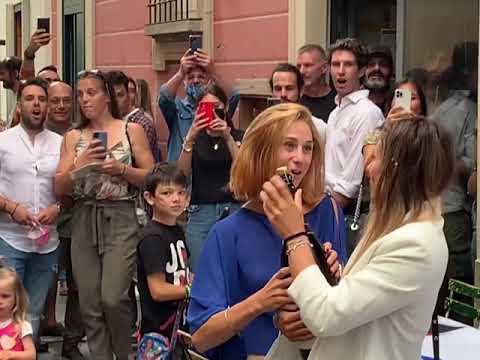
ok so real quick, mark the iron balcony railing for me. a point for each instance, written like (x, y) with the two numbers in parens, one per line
(168, 11)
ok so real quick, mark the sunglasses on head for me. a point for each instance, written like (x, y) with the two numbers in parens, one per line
(96, 74)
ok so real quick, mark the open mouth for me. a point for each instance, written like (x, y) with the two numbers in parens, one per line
(341, 81)
(36, 113)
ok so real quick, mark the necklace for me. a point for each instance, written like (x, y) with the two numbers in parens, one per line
(215, 146)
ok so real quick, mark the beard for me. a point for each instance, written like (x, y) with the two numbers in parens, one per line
(376, 83)
(31, 124)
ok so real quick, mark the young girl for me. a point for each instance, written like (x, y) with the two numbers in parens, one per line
(16, 341)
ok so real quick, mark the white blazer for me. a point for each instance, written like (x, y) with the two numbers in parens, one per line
(382, 308)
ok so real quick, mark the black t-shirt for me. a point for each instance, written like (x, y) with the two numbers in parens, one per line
(162, 250)
(322, 106)
(211, 163)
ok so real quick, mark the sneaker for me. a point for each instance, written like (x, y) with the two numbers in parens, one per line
(72, 353)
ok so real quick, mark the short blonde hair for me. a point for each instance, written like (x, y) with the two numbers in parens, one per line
(257, 158)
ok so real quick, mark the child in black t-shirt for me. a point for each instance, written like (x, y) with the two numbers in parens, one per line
(163, 273)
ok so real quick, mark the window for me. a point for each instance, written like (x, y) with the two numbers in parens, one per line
(17, 28)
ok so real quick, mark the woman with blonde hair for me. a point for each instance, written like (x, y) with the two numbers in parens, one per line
(382, 306)
(239, 282)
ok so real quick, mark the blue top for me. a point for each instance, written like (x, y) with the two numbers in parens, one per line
(179, 114)
(241, 254)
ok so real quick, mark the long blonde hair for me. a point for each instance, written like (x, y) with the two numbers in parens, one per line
(257, 158)
(416, 165)
(19, 311)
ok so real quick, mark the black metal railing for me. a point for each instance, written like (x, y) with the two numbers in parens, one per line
(166, 11)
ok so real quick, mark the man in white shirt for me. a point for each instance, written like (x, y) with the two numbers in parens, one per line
(29, 156)
(286, 83)
(353, 118)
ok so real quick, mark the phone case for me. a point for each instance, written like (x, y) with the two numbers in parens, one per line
(403, 98)
(208, 108)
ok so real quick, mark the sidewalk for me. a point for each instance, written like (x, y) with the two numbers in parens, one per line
(55, 343)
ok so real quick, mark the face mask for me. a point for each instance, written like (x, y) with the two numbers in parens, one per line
(195, 92)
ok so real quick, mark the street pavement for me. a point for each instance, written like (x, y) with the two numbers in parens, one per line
(55, 343)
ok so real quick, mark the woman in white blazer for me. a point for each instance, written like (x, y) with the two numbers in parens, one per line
(382, 307)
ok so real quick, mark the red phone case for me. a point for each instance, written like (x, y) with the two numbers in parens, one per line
(208, 108)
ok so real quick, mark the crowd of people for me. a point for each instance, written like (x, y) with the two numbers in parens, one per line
(380, 186)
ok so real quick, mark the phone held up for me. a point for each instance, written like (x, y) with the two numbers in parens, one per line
(403, 98)
(102, 136)
(195, 43)
(44, 23)
(208, 108)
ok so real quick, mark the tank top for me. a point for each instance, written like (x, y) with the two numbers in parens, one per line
(96, 185)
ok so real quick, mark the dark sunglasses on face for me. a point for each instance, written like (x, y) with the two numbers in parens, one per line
(220, 113)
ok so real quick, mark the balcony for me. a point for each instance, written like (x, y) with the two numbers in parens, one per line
(174, 20)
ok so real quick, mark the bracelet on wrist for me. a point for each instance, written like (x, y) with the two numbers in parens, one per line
(297, 245)
(227, 320)
(186, 147)
(188, 291)
(296, 235)
(28, 56)
(14, 209)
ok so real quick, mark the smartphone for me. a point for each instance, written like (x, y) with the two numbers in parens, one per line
(102, 136)
(271, 101)
(287, 177)
(208, 108)
(403, 98)
(44, 23)
(195, 42)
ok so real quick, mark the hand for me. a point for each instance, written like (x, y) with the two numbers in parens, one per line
(39, 38)
(187, 61)
(285, 214)
(398, 113)
(274, 295)
(220, 127)
(6, 355)
(49, 215)
(204, 61)
(113, 167)
(94, 153)
(22, 216)
(332, 260)
(199, 123)
(290, 324)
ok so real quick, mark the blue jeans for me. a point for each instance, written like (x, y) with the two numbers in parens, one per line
(36, 272)
(200, 220)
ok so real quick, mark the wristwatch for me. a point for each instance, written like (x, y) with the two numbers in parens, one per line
(187, 148)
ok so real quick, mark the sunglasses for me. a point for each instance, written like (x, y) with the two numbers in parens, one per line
(220, 113)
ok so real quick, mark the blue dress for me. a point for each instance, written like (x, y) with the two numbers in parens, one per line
(241, 254)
